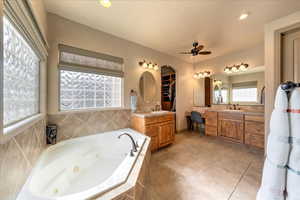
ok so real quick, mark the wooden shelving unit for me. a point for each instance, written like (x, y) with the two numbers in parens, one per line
(166, 81)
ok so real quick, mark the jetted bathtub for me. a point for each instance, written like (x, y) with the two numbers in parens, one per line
(82, 168)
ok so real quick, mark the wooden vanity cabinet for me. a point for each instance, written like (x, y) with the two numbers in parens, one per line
(211, 123)
(255, 130)
(161, 129)
(231, 126)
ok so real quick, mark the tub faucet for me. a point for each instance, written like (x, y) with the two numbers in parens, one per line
(134, 144)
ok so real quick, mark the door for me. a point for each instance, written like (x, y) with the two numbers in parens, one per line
(153, 132)
(232, 129)
(166, 134)
(291, 56)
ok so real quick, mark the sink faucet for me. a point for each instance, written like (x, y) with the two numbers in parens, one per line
(134, 144)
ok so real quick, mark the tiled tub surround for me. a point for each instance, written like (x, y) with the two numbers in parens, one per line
(82, 123)
(17, 158)
(101, 169)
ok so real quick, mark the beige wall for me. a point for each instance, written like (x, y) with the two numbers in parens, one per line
(253, 56)
(67, 32)
(40, 14)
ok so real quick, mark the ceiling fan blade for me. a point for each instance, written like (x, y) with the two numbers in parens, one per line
(200, 47)
(204, 52)
(185, 53)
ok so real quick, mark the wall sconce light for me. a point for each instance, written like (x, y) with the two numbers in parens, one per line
(204, 74)
(217, 82)
(236, 68)
(149, 65)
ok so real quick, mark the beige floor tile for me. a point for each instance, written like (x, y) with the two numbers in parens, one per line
(204, 168)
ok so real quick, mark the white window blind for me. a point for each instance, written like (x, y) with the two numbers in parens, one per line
(89, 79)
(88, 61)
(20, 76)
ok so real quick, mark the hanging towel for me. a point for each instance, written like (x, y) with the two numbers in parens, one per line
(274, 173)
(293, 175)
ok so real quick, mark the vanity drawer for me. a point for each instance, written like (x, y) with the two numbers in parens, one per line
(211, 118)
(152, 130)
(154, 143)
(255, 128)
(158, 119)
(255, 118)
(211, 130)
(231, 116)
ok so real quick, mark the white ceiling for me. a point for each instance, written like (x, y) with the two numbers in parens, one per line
(170, 26)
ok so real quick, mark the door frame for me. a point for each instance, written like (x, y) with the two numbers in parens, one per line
(273, 59)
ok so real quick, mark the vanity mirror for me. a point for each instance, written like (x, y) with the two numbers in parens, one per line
(244, 88)
(147, 87)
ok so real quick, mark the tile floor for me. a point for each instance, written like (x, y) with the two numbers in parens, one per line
(204, 168)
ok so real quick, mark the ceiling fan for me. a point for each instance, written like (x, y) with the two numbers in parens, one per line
(197, 50)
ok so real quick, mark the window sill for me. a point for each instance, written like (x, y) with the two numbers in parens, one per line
(88, 110)
(15, 129)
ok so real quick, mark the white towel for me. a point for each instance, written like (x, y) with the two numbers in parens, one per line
(274, 174)
(293, 175)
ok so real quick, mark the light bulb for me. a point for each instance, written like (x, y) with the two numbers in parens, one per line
(243, 67)
(150, 66)
(195, 76)
(244, 16)
(234, 69)
(145, 65)
(206, 74)
(156, 67)
(105, 3)
(200, 75)
(227, 69)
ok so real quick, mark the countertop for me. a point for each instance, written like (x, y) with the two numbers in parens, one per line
(152, 114)
(244, 112)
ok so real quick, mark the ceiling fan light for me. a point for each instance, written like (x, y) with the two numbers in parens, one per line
(195, 76)
(156, 68)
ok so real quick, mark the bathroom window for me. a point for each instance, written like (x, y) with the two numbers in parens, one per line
(89, 79)
(244, 92)
(79, 90)
(20, 76)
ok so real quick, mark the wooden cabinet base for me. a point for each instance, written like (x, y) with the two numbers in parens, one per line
(241, 127)
(161, 129)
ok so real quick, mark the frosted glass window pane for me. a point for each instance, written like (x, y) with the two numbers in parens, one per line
(79, 90)
(244, 95)
(21, 76)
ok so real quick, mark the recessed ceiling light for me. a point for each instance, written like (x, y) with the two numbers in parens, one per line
(243, 16)
(105, 3)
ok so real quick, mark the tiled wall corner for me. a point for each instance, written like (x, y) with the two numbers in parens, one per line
(18, 156)
(72, 125)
